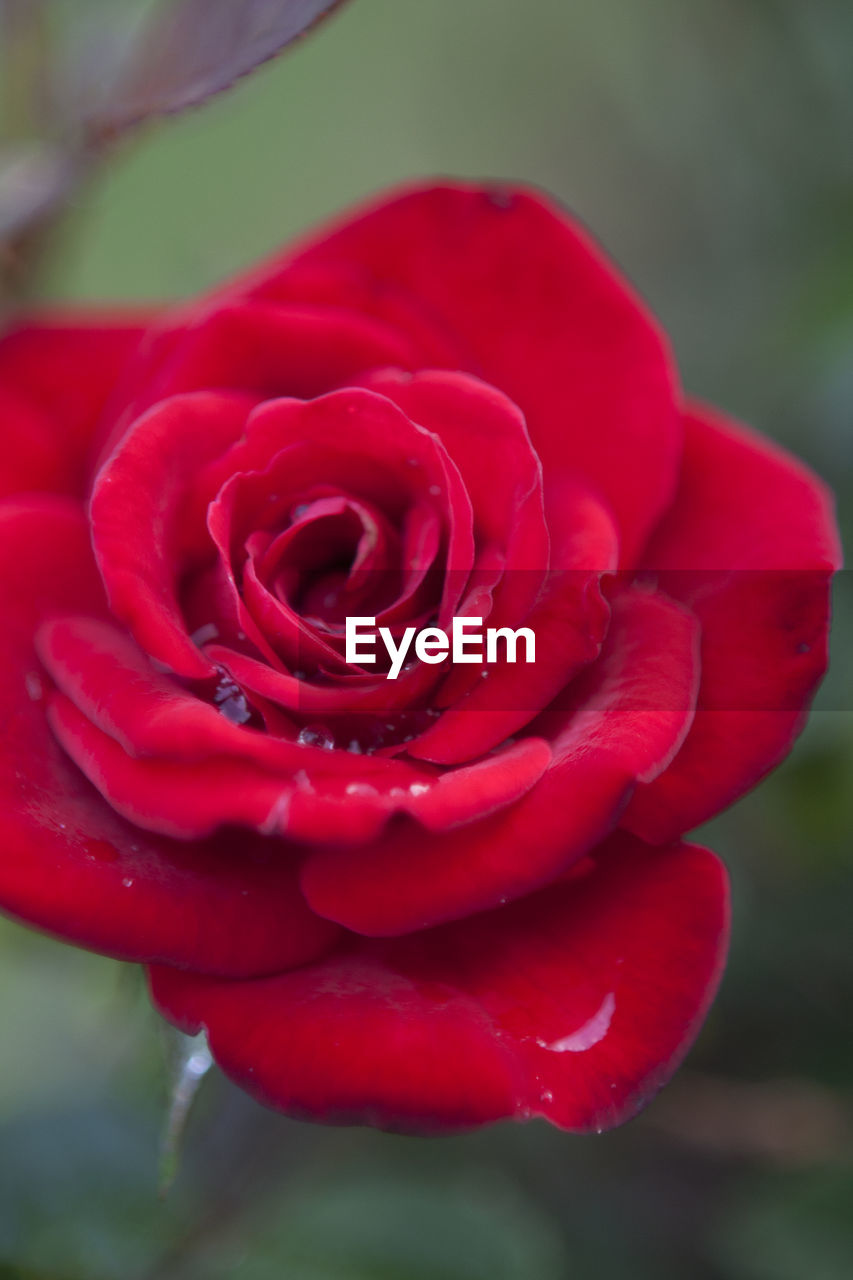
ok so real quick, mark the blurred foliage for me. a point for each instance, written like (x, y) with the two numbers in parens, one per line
(707, 142)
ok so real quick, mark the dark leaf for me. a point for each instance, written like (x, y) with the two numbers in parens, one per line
(192, 49)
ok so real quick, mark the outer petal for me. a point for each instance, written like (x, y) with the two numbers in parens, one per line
(749, 544)
(68, 863)
(57, 374)
(529, 303)
(145, 509)
(271, 351)
(575, 1004)
(628, 718)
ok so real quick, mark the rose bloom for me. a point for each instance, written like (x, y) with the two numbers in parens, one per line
(430, 902)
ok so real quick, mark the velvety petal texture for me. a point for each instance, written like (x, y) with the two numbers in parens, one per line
(750, 545)
(575, 1004)
(69, 863)
(57, 375)
(405, 882)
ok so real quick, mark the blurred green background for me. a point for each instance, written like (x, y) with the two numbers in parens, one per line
(708, 144)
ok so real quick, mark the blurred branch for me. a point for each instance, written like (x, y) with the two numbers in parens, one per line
(791, 1123)
(24, 56)
(34, 175)
(64, 118)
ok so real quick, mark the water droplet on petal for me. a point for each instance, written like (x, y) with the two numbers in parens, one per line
(230, 701)
(418, 788)
(277, 816)
(235, 709)
(587, 1036)
(435, 490)
(361, 789)
(203, 635)
(127, 882)
(316, 735)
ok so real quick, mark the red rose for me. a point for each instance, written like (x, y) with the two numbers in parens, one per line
(433, 901)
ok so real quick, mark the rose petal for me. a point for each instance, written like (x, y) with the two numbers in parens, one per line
(569, 623)
(485, 435)
(625, 722)
(576, 1004)
(70, 865)
(268, 351)
(399, 460)
(749, 544)
(531, 305)
(144, 514)
(57, 373)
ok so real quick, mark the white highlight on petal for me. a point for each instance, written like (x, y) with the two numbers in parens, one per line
(587, 1035)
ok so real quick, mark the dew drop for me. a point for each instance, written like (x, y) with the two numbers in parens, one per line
(418, 789)
(203, 635)
(276, 818)
(587, 1036)
(361, 789)
(435, 490)
(127, 882)
(235, 709)
(230, 701)
(316, 735)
